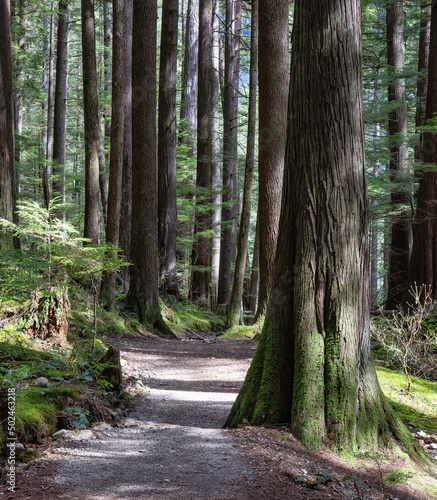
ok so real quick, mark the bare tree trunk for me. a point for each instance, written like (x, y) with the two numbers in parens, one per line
(273, 98)
(107, 291)
(215, 161)
(126, 201)
(167, 142)
(60, 115)
(234, 309)
(401, 232)
(143, 292)
(201, 255)
(313, 365)
(93, 132)
(188, 113)
(230, 150)
(7, 187)
(423, 269)
(48, 107)
(254, 277)
(423, 63)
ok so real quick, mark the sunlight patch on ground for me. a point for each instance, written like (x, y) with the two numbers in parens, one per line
(195, 396)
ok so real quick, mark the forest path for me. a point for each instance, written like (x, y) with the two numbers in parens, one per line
(173, 446)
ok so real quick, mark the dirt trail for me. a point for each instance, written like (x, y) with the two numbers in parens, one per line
(172, 445)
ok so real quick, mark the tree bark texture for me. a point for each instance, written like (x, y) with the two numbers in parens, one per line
(7, 187)
(167, 141)
(423, 270)
(234, 309)
(60, 112)
(201, 255)
(107, 291)
(400, 177)
(92, 123)
(228, 245)
(143, 292)
(188, 112)
(126, 200)
(313, 365)
(273, 98)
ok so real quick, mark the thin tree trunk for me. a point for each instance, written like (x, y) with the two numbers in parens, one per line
(399, 169)
(215, 161)
(254, 277)
(422, 81)
(126, 201)
(188, 113)
(60, 114)
(230, 150)
(48, 108)
(107, 291)
(234, 309)
(93, 132)
(7, 187)
(273, 98)
(201, 255)
(167, 142)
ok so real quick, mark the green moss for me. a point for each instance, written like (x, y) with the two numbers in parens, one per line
(418, 408)
(243, 331)
(35, 416)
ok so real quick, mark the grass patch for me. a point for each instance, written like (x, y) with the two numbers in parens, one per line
(417, 408)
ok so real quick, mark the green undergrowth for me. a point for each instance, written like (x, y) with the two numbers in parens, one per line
(243, 331)
(184, 316)
(417, 408)
(55, 387)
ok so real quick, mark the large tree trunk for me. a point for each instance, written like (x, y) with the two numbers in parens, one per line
(423, 269)
(92, 123)
(230, 150)
(107, 291)
(126, 200)
(7, 188)
(188, 115)
(313, 365)
(167, 186)
(144, 272)
(60, 114)
(273, 98)
(400, 177)
(201, 255)
(234, 310)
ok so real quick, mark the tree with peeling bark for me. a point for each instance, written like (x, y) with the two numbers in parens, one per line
(313, 366)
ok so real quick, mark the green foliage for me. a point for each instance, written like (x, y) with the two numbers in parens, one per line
(407, 340)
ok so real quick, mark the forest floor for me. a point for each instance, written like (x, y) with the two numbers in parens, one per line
(170, 443)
